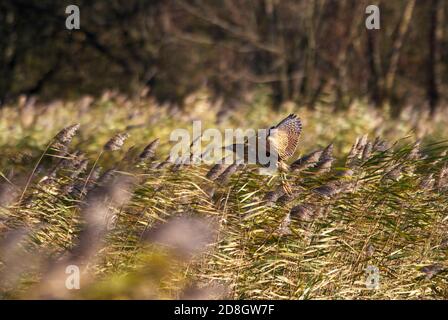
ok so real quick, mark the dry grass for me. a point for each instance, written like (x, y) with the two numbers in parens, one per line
(112, 206)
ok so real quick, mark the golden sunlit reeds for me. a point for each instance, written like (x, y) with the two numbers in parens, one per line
(140, 226)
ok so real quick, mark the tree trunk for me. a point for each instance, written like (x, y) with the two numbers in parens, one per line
(374, 74)
(432, 85)
(397, 45)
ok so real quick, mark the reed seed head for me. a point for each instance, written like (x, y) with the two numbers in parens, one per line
(305, 212)
(116, 142)
(432, 270)
(367, 151)
(308, 161)
(230, 170)
(149, 151)
(394, 174)
(329, 190)
(66, 135)
(215, 171)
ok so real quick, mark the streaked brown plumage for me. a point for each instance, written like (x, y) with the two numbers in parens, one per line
(281, 139)
(284, 137)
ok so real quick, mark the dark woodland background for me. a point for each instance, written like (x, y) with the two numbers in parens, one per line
(302, 51)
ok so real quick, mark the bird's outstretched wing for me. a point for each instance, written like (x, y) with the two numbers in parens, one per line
(284, 137)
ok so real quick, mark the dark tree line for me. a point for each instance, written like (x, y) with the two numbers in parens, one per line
(300, 50)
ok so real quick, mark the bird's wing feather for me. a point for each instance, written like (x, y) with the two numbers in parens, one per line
(284, 137)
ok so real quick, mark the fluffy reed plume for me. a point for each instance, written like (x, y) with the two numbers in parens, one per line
(165, 163)
(79, 169)
(187, 236)
(346, 173)
(415, 153)
(127, 159)
(215, 171)
(116, 142)
(106, 177)
(370, 250)
(179, 163)
(361, 142)
(154, 164)
(272, 196)
(66, 135)
(325, 160)
(352, 160)
(357, 151)
(442, 178)
(308, 161)
(284, 228)
(380, 145)
(287, 197)
(149, 151)
(61, 141)
(305, 212)
(432, 270)
(330, 190)
(444, 244)
(367, 151)
(228, 172)
(186, 160)
(394, 173)
(427, 182)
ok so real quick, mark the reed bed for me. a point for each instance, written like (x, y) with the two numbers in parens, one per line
(100, 194)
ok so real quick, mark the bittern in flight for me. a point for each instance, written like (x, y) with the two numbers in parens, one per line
(281, 142)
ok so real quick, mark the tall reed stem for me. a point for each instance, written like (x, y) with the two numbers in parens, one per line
(90, 173)
(28, 181)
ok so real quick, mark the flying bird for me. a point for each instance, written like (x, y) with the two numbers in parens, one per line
(281, 142)
(284, 138)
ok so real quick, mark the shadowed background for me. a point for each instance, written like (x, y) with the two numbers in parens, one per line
(302, 51)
